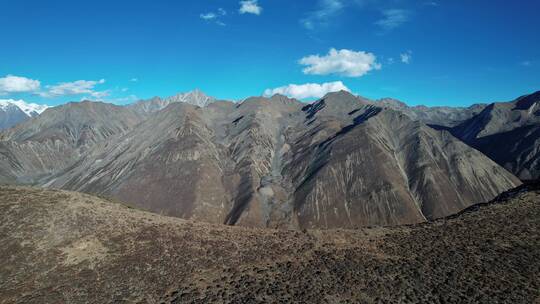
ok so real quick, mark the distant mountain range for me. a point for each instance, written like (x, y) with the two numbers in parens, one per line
(342, 161)
(196, 98)
(442, 116)
(13, 112)
(509, 133)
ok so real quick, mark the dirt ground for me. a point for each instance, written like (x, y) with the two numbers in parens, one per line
(66, 247)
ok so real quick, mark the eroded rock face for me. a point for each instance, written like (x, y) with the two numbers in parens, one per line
(360, 165)
(276, 162)
(52, 141)
(508, 133)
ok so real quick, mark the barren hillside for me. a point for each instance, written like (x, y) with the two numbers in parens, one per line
(66, 247)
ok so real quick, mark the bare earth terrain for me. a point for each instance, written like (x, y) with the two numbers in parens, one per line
(66, 247)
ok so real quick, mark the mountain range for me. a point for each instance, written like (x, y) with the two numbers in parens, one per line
(13, 112)
(340, 162)
(508, 133)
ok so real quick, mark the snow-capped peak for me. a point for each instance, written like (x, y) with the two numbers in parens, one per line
(195, 97)
(30, 109)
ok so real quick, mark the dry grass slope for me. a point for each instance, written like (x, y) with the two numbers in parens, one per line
(66, 247)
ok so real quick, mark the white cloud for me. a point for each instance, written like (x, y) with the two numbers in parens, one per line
(134, 79)
(125, 99)
(250, 7)
(308, 90)
(406, 57)
(211, 16)
(393, 18)
(326, 12)
(343, 62)
(99, 95)
(17, 84)
(75, 88)
(208, 16)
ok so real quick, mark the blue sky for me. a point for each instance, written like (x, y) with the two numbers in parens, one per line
(437, 52)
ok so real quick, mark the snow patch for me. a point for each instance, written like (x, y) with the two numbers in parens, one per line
(30, 109)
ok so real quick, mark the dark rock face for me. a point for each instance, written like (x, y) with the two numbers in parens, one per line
(508, 133)
(266, 162)
(67, 247)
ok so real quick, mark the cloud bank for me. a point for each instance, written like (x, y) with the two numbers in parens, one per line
(250, 7)
(75, 88)
(406, 57)
(342, 62)
(327, 10)
(215, 17)
(16, 84)
(308, 90)
(393, 18)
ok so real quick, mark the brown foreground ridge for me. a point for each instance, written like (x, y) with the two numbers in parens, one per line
(67, 247)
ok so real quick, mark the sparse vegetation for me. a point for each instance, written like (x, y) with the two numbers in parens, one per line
(66, 247)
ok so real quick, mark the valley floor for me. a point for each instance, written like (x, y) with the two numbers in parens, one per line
(66, 247)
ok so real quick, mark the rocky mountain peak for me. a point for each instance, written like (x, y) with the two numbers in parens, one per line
(195, 97)
(393, 103)
(528, 101)
(13, 112)
(30, 109)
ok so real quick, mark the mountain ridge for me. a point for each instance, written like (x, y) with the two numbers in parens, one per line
(13, 112)
(195, 97)
(271, 162)
(342, 161)
(509, 133)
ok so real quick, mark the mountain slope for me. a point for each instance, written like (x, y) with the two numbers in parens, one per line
(358, 165)
(275, 162)
(66, 247)
(11, 115)
(509, 133)
(58, 137)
